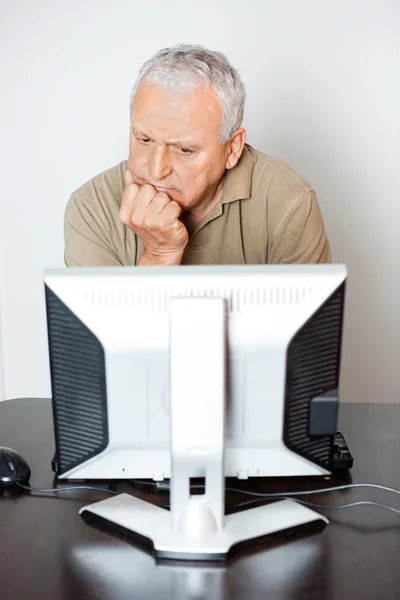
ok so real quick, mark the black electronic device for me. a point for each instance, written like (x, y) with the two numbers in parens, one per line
(342, 457)
(13, 468)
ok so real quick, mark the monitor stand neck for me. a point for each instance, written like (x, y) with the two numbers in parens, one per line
(195, 527)
(198, 348)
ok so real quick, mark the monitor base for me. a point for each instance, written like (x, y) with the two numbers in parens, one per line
(198, 537)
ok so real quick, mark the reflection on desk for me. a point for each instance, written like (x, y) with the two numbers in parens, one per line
(112, 571)
(48, 552)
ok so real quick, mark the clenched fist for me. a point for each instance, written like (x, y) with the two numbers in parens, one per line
(154, 217)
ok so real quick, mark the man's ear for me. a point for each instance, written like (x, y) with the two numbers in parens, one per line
(235, 145)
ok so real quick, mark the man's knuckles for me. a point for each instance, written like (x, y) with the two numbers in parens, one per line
(146, 195)
(159, 203)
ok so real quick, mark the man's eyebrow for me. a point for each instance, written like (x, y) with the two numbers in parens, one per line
(137, 131)
(178, 143)
(189, 145)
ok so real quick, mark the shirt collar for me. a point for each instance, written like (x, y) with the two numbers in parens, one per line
(237, 181)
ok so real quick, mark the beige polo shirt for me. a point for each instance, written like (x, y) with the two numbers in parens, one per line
(267, 214)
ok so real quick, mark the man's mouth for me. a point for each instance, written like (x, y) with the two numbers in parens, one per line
(163, 189)
(166, 190)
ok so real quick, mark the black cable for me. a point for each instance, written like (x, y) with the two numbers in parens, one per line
(259, 496)
(165, 486)
(68, 488)
(336, 488)
(326, 506)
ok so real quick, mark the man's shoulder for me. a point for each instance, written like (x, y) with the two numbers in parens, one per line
(276, 192)
(105, 187)
(271, 174)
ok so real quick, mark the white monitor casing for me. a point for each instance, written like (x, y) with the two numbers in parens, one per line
(128, 312)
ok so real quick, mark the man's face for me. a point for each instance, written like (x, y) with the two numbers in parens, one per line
(175, 144)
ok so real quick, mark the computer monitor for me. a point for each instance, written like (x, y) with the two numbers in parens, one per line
(195, 371)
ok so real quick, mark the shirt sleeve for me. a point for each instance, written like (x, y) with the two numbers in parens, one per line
(300, 236)
(86, 244)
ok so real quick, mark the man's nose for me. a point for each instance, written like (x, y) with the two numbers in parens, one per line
(159, 163)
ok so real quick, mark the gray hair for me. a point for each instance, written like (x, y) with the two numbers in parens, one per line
(184, 68)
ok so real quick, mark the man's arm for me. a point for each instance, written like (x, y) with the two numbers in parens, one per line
(86, 242)
(300, 236)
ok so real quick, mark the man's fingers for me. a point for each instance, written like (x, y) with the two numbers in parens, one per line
(172, 211)
(146, 195)
(159, 203)
(135, 203)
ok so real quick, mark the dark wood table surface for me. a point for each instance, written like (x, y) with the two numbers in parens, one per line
(47, 551)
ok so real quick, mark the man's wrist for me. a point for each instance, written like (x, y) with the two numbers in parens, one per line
(152, 259)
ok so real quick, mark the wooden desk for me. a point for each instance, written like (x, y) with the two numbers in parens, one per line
(47, 552)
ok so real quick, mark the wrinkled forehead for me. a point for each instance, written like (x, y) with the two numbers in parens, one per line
(195, 113)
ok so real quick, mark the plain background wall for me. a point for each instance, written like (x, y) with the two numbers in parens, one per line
(323, 95)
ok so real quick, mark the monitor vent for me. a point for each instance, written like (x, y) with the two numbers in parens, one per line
(157, 301)
(78, 386)
(313, 364)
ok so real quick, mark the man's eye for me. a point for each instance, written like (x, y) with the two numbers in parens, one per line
(184, 151)
(144, 140)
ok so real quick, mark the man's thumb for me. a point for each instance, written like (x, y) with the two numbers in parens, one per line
(128, 177)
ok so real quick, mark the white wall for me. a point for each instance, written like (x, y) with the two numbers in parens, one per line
(2, 389)
(323, 95)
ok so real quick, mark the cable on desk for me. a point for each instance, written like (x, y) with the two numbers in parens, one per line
(326, 506)
(259, 498)
(336, 488)
(68, 488)
(162, 486)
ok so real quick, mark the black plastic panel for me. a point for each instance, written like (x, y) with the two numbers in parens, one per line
(78, 386)
(313, 366)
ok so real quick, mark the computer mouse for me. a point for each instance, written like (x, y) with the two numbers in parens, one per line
(13, 468)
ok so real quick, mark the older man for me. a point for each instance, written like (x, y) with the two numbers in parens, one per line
(192, 191)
